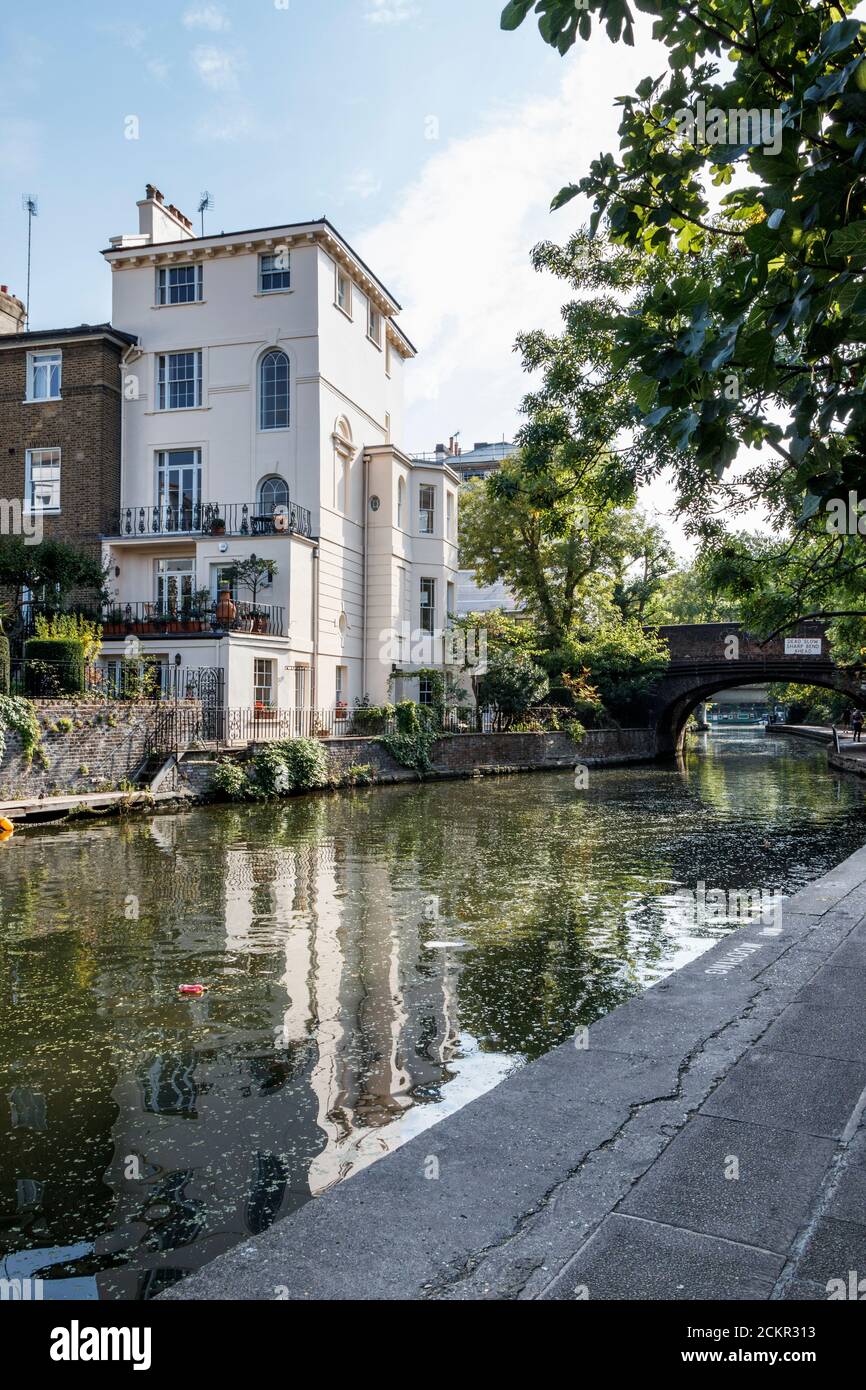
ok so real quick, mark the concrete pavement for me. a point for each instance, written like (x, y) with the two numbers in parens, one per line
(709, 1144)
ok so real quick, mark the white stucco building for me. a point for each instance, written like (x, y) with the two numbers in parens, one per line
(263, 409)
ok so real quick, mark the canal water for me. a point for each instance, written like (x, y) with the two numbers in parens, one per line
(373, 960)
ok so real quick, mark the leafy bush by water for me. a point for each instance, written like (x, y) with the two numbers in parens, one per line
(278, 769)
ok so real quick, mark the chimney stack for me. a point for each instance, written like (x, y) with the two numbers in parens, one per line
(158, 223)
(12, 312)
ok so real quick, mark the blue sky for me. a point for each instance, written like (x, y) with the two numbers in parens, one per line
(321, 106)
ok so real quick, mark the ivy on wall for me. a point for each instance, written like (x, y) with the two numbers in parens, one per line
(18, 714)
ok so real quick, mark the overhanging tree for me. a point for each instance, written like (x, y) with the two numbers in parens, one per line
(759, 343)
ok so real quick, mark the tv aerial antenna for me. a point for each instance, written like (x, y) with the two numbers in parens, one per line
(30, 204)
(206, 203)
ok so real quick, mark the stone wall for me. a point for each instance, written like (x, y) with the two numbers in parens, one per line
(103, 747)
(463, 755)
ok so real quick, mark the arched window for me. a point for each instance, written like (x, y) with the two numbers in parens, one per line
(344, 451)
(273, 494)
(274, 391)
(401, 502)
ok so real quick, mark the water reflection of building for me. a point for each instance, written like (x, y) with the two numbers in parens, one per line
(329, 1021)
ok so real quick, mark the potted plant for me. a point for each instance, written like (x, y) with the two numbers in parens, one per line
(218, 526)
(251, 574)
(260, 620)
(114, 622)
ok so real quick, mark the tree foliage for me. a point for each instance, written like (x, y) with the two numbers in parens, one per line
(757, 342)
(511, 685)
(54, 569)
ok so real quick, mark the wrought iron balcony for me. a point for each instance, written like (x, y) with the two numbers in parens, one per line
(187, 618)
(210, 519)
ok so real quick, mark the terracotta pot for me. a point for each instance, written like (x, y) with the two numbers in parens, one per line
(226, 609)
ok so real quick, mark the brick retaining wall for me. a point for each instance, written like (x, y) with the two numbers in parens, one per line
(463, 755)
(108, 739)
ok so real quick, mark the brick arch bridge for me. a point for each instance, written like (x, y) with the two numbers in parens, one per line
(704, 661)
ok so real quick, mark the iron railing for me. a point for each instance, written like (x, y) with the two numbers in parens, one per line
(209, 519)
(122, 680)
(144, 618)
(262, 725)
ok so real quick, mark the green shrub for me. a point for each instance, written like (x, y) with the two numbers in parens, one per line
(231, 781)
(64, 725)
(57, 662)
(575, 730)
(294, 765)
(74, 628)
(359, 774)
(412, 718)
(307, 764)
(4, 665)
(371, 719)
(270, 773)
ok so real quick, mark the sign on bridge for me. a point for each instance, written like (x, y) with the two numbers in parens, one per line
(803, 646)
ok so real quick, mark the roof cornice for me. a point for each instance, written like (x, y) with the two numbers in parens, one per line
(264, 239)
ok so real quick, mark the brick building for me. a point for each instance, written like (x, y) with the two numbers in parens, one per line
(60, 420)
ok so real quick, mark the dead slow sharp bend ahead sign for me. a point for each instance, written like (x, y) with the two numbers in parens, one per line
(803, 646)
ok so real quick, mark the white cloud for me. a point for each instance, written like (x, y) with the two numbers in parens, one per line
(389, 11)
(216, 67)
(128, 33)
(158, 69)
(364, 184)
(455, 250)
(225, 125)
(212, 17)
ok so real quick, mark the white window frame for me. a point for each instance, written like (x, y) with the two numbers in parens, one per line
(375, 320)
(426, 513)
(388, 351)
(163, 386)
(164, 286)
(401, 499)
(428, 589)
(264, 666)
(29, 461)
(341, 685)
(343, 275)
(38, 362)
(300, 690)
(260, 385)
(284, 270)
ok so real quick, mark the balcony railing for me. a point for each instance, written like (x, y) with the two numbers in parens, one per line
(210, 519)
(154, 619)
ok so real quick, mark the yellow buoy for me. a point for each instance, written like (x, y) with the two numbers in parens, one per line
(6, 827)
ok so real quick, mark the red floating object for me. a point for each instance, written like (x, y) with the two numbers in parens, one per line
(191, 989)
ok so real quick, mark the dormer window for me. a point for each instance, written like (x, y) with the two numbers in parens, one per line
(44, 371)
(179, 284)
